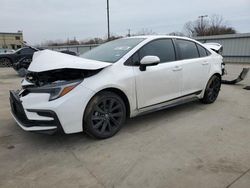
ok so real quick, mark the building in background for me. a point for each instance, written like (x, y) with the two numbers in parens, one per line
(236, 47)
(11, 40)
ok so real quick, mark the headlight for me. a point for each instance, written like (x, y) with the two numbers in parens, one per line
(56, 90)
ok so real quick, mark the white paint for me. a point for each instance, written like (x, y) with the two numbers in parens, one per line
(157, 84)
(51, 60)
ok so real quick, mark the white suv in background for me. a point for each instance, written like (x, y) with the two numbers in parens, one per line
(124, 78)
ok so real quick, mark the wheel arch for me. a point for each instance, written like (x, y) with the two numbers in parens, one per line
(215, 74)
(120, 93)
(210, 76)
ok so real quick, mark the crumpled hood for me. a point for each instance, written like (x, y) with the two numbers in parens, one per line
(47, 60)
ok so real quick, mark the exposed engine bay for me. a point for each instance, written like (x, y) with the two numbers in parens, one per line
(39, 79)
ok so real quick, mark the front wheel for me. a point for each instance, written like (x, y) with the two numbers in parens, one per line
(104, 115)
(212, 90)
(5, 62)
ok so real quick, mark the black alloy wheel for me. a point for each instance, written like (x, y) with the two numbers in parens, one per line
(212, 90)
(105, 115)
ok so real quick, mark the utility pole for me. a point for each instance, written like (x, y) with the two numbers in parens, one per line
(108, 19)
(201, 23)
(129, 33)
(202, 17)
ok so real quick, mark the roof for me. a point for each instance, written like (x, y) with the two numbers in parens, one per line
(159, 36)
(17, 33)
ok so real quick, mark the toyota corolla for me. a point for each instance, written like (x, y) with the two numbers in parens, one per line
(97, 91)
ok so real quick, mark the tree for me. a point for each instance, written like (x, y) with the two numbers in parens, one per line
(218, 26)
(204, 27)
(95, 40)
(176, 33)
(145, 31)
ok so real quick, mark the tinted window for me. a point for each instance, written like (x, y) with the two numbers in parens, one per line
(163, 49)
(208, 53)
(188, 49)
(133, 60)
(27, 51)
(202, 51)
(112, 51)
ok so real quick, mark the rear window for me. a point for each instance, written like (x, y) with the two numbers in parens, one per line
(202, 51)
(188, 49)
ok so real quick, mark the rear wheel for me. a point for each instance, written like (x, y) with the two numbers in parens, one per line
(212, 90)
(104, 115)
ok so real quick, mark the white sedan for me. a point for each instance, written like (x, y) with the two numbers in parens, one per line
(96, 92)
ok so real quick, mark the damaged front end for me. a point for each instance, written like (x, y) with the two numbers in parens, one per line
(57, 74)
(57, 83)
(52, 75)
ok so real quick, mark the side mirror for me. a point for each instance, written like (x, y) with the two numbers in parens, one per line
(149, 61)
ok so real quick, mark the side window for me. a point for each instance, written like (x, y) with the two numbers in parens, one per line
(27, 51)
(202, 51)
(188, 49)
(164, 49)
(208, 53)
(133, 60)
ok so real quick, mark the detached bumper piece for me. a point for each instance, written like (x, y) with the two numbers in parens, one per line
(241, 77)
(38, 126)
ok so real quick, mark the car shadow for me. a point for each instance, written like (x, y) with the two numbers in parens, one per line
(132, 126)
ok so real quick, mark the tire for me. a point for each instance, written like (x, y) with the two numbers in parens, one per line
(5, 62)
(212, 90)
(104, 116)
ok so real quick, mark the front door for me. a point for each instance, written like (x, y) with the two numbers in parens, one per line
(159, 83)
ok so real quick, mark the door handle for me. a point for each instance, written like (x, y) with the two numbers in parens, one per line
(205, 63)
(177, 68)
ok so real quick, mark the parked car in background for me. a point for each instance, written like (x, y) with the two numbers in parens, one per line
(96, 92)
(66, 51)
(8, 59)
(22, 65)
(4, 51)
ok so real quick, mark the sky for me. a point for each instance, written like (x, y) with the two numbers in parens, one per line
(43, 20)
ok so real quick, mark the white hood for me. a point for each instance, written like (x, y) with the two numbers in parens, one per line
(50, 60)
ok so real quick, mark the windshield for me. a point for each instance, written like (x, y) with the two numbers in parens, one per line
(112, 51)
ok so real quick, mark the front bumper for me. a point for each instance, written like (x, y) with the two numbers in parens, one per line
(40, 126)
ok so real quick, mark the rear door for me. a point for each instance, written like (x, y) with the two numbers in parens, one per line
(195, 68)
